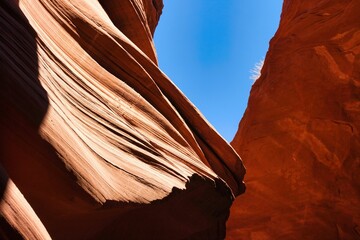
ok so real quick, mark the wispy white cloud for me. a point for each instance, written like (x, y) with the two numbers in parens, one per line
(256, 70)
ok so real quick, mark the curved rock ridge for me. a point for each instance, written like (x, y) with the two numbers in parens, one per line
(138, 22)
(299, 137)
(97, 142)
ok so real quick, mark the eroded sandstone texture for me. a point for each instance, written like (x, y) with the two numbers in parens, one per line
(299, 137)
(96, 142)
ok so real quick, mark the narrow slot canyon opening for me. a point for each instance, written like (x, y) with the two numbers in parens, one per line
(212, 50)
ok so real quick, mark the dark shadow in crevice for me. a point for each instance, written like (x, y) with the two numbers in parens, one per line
(18, 59)
(198, 212)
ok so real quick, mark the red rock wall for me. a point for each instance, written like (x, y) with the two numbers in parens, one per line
(299, 137)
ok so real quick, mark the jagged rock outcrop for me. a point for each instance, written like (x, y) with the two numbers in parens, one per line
(96, 142)
(299, 137)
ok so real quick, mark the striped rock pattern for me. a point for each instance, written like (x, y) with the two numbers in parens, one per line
(97, 142)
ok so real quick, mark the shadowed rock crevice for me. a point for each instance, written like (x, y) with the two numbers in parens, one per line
(200, 217)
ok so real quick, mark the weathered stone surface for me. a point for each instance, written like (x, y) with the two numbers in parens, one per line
(96, 142)
(137, 19)
(299, 137)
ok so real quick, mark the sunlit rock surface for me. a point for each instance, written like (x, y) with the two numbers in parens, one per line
(96, 142)
(299, 138)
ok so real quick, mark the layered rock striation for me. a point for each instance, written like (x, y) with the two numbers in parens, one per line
(96, 142)
(299, 137)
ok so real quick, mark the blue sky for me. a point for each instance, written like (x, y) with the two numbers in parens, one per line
(208, 48)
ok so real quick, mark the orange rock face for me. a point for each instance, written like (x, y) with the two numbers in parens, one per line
(299, 137)
(96, 142)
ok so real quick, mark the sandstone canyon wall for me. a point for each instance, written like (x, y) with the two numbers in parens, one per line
(96, 142)
(299, 137)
